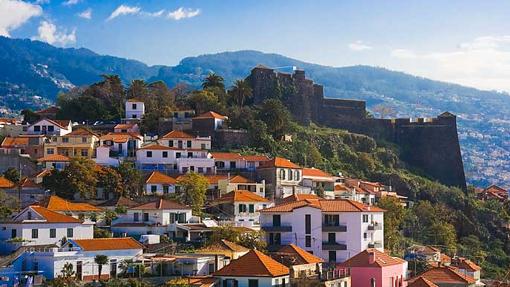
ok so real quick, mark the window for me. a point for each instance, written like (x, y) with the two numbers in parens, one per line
(29, 215)
(251, 208)
(232, 164)
(13, 233)
(70, 232)
(308, 241)
(50, 151)
(276, 220)
(65, 140)
(275, 239)
(136, 217)
(242, 207)
(332, 256)
(133, 116)
(190, 154)
(170, 143)
(178, 155)
(200, 170)
(145, 216)
(35, 233)
(166, 189)
(188, 144)
(53, 233)
(297, 175)
(203, 146)
(253, 283)
(282, 174)
(365, 218)
(154, 188)
(37, 128)
(331, 220)
(331, 238)
(84, 152)
(51, 128)
(308, 223)
(365, 236)
(133, 106)
(149, 153)
(84, 140)
(165, 154)
(290, 174)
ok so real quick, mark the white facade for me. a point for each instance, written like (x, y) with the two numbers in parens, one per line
(174, 160)
(261, 281)
(135, 109)
(227, 185)
(159, 188)
(49, 127)
(202, 143)
(103, 157)
(344, 237)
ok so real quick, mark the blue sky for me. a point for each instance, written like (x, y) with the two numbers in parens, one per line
(466, 42)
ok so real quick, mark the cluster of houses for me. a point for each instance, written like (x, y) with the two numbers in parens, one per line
(320, 229)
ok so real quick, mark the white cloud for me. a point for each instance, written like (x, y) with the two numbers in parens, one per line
(183, 13)
(49, 33)
(154, 14)
(124, 10)
(14, 13)
(86, 14)
(359, 46)
(483, 62)
(71, 2)
(41, 2)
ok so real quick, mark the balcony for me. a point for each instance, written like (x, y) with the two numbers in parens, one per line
(281, 228)
(375, 244)
(328, 227)
(333, 246)
(375, 226)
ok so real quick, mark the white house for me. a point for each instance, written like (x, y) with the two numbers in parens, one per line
(236, 161)
(50, 127)
(122, 144)
(174, 160)
(79, 210)
(254, 269)
(126, 128)
(238, 182)
(241, 207)
(319, 181)
(183, 140)
(80, 253)
(334, 230)
(135, 109)
(36, 225)
(158, 217)
(54, 161)
(159, 183)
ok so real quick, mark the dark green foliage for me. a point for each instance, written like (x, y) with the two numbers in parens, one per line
(12, 174)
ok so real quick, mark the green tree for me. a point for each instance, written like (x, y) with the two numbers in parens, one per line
(276, 116)
(213, 80)
(203, 101)
(393, 219)
(100, 260)
(66, 278)
(442, 234)
(110, 181)
(12, 174)
(193, 188)
(251, 240)
(131, 179)
(109, 216)
(240, 92)
(137, 89)
(29, 116)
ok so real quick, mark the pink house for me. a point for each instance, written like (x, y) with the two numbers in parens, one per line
(373, 268)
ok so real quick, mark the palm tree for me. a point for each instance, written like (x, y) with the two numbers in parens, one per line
(240, 92)
(137, 89)
(213, 80)
(100, 260)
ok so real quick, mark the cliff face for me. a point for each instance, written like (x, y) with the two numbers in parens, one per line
(430, 144)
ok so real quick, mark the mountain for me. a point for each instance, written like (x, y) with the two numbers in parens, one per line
(37, 72)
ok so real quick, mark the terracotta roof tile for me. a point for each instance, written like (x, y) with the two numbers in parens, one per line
(254, 264)
(124, 126)
(97, 244)
(56, 203)
(226, 156)
(157, 177)
(52, 216)
(421, 282)
(161, 204)
(303, 256)
(466, 264)
(239, 179)
(224, 245)
(326, 205)
(210, 115)
(298, 197)
(5, 183)
(278, 162)
(315, 172)
(240, 196)
(120, 137)
(255, 157)
(362, 259)
(445, 275)
(177, 135)
(54, 157)
(15, 141)
(82, 132)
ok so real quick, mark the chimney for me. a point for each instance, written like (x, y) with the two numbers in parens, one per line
(371, 257)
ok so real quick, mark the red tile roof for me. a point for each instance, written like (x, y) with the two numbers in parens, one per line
(445, 275)
(56, 203)
(239, 179)
(301, 255)
(124, 126)
(52, 216)
(5, 183)
(298, 197)
(278, 162)
(82, 132)
(362, 259)
(421, 282)
(54, 158)
(326, 205)
(161, 204)
(224, 245)
(177, 135)
(240, 196)
(464, 263)
(255, 158)
(254, 264)
(98, 244)
(315, 172)
(14, 141)
(157, 177)
(210, 115)
(120, 137)
(226, 156)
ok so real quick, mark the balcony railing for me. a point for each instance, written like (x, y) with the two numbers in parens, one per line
(375, 226)
(333, 246)
(281, 228)
(376, 244)
(328, 227)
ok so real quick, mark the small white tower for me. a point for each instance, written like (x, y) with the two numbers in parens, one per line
(135, 109)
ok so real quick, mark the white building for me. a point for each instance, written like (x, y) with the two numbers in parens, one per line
(254, 269)
(235, 161)
(36, 225)
(50, 127)
(174, 160)
(240, 207)
(319, 181)
(135, 109)
(334, 230)
(238, 182)
(126, 128)
(159, 184)
(121, 144)
(183, 140)
(80, 253)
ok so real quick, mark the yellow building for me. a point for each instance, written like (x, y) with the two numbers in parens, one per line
(80, 142)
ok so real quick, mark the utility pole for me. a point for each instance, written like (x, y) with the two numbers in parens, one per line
(19, 181)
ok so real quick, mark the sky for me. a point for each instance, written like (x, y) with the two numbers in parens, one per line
(465, 42)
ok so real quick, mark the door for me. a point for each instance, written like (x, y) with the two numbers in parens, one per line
(113, 268)
(79, 268)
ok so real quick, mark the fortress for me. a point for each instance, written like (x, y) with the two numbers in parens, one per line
(429, 144)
